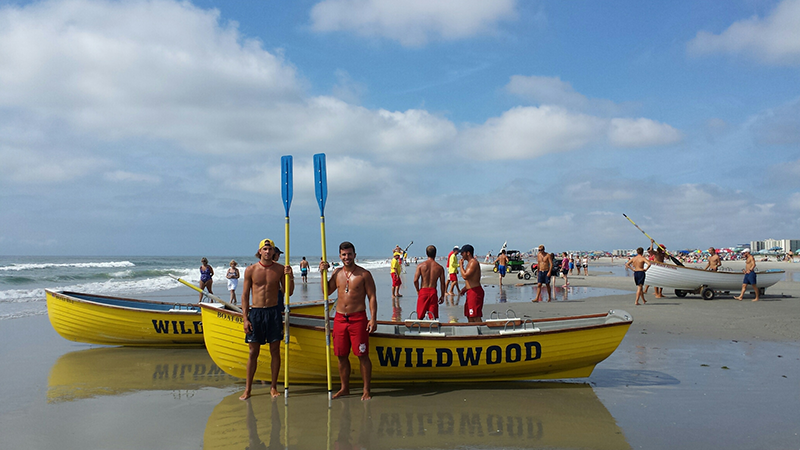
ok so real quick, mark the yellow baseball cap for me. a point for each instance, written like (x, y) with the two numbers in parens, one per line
(265, 242)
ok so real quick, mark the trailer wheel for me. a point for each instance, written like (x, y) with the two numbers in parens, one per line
(680, 293)
(527, 276)
(519, 275)
(708, 294)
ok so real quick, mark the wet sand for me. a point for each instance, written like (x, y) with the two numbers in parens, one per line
(690, 373)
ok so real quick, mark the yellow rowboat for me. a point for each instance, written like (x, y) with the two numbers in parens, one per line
(510, 415)
(420, 351)
(98, 319)
(115, 371)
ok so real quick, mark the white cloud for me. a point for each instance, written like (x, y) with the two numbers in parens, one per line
(530, 132)
(641, 132)
(779, 125)
(412, 22)
(121, 176)
(774, 39)
(33, 166)
(554, 91)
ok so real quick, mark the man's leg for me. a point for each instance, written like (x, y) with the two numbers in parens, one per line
(366, 375)
(344, 376)
(252, 364)
(741, 295)
(275, 365)
(538, 292)
(755, 291)
(549, 293)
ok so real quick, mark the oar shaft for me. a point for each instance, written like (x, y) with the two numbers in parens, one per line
(327, 318)
(286, 320)
(211, 296)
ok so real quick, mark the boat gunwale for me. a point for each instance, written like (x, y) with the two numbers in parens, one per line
(671, 266)
(65, 295)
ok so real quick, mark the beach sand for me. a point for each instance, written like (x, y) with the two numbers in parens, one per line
(690, 373)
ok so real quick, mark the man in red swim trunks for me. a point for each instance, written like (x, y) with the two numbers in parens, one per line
(351, 327)
(431, 273)
(473, 307)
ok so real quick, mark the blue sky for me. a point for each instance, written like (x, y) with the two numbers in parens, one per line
(157, 127)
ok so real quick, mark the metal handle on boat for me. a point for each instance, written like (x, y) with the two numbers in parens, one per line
(509, 313)
(493, 315)
(513, 324)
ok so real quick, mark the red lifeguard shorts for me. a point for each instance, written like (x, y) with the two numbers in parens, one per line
(427, 300)
(396, 280)
(473, 307)
(453, 277)
(350, 331)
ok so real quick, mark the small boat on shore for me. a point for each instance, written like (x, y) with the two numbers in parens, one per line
(690, 280)
(421, 351)
(105, 320)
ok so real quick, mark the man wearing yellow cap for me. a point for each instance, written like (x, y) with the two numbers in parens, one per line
(263, 317)
(397, 268)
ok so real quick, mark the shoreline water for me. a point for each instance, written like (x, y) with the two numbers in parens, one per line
(689, 374)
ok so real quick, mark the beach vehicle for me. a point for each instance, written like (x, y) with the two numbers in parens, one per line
(516, 264)
(690, 280)
(420, 351)
(105, 320)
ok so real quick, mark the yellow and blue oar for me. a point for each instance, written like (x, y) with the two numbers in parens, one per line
(286, 193)
(675, 260)
(321, 190)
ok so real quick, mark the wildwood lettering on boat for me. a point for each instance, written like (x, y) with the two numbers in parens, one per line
(460, 356)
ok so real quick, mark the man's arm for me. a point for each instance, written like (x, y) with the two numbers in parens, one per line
(416, 278)
(442, 286)
(248, 281)
(369, 285)
(287, 270)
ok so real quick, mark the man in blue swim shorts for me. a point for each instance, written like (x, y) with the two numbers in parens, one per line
(749, 275)
(502, 264)
(304, 270)
(544, 265)
(640, 265)
(262, 318)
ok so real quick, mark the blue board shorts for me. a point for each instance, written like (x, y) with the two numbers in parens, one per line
(638, 278)
(749, 278)
(542, 277)
(501, 269)
(267, 325)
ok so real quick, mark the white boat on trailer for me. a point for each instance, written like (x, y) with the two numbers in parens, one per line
(690, 280)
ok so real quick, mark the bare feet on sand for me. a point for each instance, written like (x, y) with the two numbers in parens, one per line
(366, 396)
(738, 298)
(274, 392)
(245, 396)
(342, 392)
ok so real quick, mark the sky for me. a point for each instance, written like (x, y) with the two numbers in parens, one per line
(157, 127)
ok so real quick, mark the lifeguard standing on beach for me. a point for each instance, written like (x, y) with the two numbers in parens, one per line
(452, 271)
(473, 306)
(397, 268)
(431, 274)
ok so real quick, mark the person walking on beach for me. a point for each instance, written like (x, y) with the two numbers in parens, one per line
(452, 271)
(304, 270)
(714, 262)
(351, 328)
(749, 275)
(431, 274)
(544, 264)
(262, 316)
(473, 306)
(640, 265)
(565, 267)
(397, 268)
(502, 264)
(233, 280)
(585, 265)
(206, 277)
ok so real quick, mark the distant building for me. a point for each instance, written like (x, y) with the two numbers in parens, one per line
(786, 245)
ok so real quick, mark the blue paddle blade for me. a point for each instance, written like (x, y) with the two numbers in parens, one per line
(286, 182)
(320, 181)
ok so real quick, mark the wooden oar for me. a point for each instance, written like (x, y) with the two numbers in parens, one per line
(211, 296)
(286, 193)
(674, 259)
(321, 191)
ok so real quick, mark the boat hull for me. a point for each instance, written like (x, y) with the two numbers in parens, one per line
(95, 319)
(689, 278)
(399, 356)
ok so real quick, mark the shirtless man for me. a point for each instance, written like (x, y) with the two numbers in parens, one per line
(351, 327)
(749, 275)
(432, 274)
(263, 317)
(638, 264)
(502, 263)
(304, 270)
(473, 306)
(658, 256)
(452, 271)
(714, 262)
(544, 266)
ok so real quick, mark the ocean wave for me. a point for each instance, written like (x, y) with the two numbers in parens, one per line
(21, 314)
(108, 264)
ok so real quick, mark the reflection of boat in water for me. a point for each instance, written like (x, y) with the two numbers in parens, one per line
(687, 280)
(114, 371)
(519, 415)
(424, 351)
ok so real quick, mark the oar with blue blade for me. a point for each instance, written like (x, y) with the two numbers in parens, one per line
(321, 190)
(286, 193)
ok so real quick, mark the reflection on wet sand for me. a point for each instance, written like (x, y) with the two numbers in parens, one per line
(116, 370)
(518, 415)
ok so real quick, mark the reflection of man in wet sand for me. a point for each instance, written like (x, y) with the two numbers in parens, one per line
(262, 318)
(544, 266)
(473, 306)
(431, 273)
(713, 261)
(638, 263)
(351, 327)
